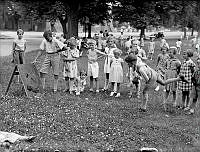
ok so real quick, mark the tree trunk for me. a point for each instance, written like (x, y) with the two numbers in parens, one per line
(89, 30)
(64, 26)
(185, 32)
(192, 32)
(72, 24)
(142, 32)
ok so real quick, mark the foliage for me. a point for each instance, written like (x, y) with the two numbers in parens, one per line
(140, 14)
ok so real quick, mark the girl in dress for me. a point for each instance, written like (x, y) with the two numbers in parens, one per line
(70, 65)
(187, 69)
(93, 66)
(161, 63)
(109, 54)
(151, 48)
(172, 70)
(116, 72)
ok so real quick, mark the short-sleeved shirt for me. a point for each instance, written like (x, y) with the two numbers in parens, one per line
(178, 44)
(51, 47)
(20, 44)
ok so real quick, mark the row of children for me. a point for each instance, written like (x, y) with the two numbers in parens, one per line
(113, 66)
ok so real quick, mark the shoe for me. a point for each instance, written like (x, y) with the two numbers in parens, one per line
(157, 88)
(183, 79)
(118, 95)
(66, 90)
(97, 91)
(142, 110)
(186, 109)
(112, 93)
(104, 89)
(91, 90)
(191, 112)
(54, 91)
(77, 93)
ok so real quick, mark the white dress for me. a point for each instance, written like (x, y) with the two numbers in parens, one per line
(93, 66)
(109, 52)
(116, 71)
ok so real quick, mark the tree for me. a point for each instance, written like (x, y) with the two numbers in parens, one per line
(16, 10)
(68, 12)
(139, 13)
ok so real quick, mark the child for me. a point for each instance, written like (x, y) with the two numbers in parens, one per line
(172, 70)
(195, 94)
(150, 76)
(161, 63)
(51, 46)
(18, 49)
(187, 69)
(116, 72)
(178, 46)
(93, 66)
(151, 47)
(109, 54)
(70, 65)
(142, 41)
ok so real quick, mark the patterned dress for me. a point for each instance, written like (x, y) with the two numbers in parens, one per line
(172, 66)
(109, 52)
(116, 71)
(70, 67)
(186, 71)
(161, 68)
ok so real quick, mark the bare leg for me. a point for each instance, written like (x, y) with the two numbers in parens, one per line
(71, 81)
(42, 76)
(91, 83)
(55, 83)
(145, 99)
(174, 98)
(97, 84)
(67, 84)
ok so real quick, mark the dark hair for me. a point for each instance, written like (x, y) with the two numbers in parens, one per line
(47, 33)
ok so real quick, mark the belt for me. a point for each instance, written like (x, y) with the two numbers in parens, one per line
(52, 53)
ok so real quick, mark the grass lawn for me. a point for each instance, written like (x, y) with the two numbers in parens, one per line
(94, 122)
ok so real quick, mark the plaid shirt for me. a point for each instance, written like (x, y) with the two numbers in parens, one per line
(186, 70)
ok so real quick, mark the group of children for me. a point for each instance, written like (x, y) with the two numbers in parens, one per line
(168, 71)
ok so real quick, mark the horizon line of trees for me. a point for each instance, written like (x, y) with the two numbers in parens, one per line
(139, 13)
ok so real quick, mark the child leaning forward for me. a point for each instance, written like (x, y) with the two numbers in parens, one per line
(150, 76)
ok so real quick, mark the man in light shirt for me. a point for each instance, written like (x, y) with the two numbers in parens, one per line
(51, 47)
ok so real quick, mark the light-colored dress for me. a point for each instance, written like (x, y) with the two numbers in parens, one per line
(116, 71)
(151, 47)
(93, 66)
(109, 52)
(70, 67)
(161, 68)
(186, 71)
(172, 66)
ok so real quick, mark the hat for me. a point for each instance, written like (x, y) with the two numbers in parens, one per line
(20, 31)
(72, 42)
(46, 33)
(91, 41)
(131, 58)
(117, 51)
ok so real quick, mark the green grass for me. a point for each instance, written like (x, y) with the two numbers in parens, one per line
(94, 122)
